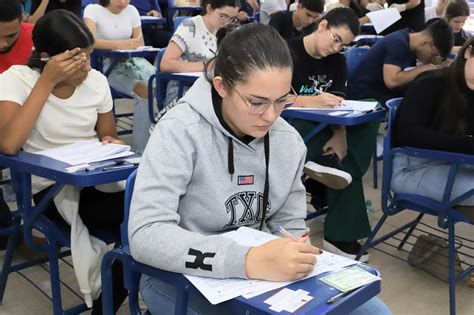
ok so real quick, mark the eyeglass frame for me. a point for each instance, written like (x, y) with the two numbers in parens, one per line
(229, 19)
(265, 107)
(336, 39)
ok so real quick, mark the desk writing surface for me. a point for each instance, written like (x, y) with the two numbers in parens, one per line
(49, 168)
(324, 117)
(321, 293)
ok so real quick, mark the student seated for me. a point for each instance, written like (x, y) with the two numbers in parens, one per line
(437, 113)
(382, 75)
(319, 78)
(353, 5)
(15, 37)
(412, 12)
(295, 23)
(181, 193)
(195, 42)
(154, 35)
(116, 25)
(59, 101)
(457, 12)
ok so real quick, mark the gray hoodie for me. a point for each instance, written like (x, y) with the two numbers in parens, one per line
(185, 196)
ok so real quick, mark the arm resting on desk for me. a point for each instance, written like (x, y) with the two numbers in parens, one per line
(172, 62)
(132, 43)
(323, 100)
(394, 76)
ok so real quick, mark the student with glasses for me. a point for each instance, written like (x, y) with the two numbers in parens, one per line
(194, 41)
(221, 159)
(338, 156)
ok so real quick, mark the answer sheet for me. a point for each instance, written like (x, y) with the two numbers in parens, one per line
(220, 290)
(347, 105)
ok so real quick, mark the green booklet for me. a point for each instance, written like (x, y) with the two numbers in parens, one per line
(349, 278)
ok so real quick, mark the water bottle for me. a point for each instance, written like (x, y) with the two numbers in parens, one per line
(368, 206)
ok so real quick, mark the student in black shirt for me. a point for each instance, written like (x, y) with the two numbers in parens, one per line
(302, 21)
(457, 12)
(437, 113)
(412, 12)
(319, 79)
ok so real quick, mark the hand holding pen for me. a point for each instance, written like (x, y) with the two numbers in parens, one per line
(282, 259)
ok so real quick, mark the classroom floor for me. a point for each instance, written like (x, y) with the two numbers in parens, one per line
(405, 289)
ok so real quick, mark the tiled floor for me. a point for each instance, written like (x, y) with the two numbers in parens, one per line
(406, 290)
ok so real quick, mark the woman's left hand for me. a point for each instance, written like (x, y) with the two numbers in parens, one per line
(109, 139)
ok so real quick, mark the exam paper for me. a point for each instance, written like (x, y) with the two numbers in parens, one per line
(382, 19)
(347, 105)
(139, 48)
(190, 74)
(220, 290)
(87, 151)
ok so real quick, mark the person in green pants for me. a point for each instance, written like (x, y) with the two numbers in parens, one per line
(319, 79)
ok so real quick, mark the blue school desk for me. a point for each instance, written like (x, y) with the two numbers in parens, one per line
(323, 117)
(152, 20)
(321, 293)
(23, 165)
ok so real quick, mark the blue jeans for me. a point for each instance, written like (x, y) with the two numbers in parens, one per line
(160, 299)
(427, 178)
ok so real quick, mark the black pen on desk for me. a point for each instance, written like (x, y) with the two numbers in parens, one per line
(339, 296)
(117, 167)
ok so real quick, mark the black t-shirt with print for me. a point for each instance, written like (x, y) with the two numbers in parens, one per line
(312, 76)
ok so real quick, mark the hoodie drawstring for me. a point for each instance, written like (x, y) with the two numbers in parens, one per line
(230, 158)
(266, 188)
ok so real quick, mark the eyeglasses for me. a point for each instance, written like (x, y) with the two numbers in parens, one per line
(258, 107)
(337, 40)
(228, 19)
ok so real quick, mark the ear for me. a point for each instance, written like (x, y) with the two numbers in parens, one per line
(323, 25)
(209, 8)
(218, 83)
(44, 55)
(467, 52)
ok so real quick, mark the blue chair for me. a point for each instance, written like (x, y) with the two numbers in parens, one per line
(178, 20)
(57, 236)
(133, 269)
(394, 203)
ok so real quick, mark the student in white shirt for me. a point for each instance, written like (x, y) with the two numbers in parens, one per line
(53, 103)
(194, 41)
(115, 25)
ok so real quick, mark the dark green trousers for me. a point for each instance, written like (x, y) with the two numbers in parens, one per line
(347, 217)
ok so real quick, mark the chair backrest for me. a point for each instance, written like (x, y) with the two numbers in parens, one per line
(126, 210)
(354, 57)
(178, 20)
(392, 106)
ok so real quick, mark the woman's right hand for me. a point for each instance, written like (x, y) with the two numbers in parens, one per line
(283, 259)
(60, 67)
(328, 100)
(132, 43)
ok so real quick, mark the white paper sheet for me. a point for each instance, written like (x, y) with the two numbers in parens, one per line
(139, 48)
(288, 300)
(382, 19)
(190, 74)
(347, 105)
(86, 152)
(220, 290)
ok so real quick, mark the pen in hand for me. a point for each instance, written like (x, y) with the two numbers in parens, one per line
(303, 237)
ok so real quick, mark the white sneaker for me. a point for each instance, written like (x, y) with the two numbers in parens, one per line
(380, 145)
(329, 175)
